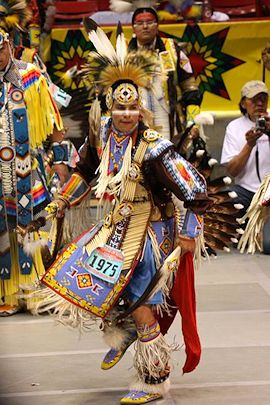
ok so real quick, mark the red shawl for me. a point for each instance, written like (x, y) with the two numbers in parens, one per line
(183, 297)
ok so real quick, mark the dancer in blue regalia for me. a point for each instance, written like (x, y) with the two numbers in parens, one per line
(137, 261)
(28, 116)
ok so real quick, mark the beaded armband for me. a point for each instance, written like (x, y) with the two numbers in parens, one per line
(74, 190)
(184, 175)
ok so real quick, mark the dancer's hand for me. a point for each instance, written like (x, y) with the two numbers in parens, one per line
(194, 132)
(56, 208)
(186, 244)
(62, 171)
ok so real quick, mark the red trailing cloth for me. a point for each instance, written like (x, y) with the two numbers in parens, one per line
(183, 298)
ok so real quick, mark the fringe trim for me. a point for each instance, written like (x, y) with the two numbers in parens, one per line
(94, 118)
(152, 358)
(103, 208)
(167, 271)
(66, 233)
(11, 288)
(160, 309)
(104, 178)
(251, 240)
(139, 385)
(77, 219)
(200, 249)
(114, 183)
(66, 313)
(37, 98)
(155, 246)
(119, 181)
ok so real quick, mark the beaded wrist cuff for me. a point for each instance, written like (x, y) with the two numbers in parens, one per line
(74, 190)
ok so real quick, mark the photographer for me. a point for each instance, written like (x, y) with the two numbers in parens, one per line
(246, 147)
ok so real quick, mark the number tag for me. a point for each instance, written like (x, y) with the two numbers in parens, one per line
(60, 95)
(105, 263)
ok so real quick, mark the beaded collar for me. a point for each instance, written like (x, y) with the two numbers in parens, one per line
(12, 74)
(120, 134)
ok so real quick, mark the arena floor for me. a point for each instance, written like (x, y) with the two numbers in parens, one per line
(44, 363)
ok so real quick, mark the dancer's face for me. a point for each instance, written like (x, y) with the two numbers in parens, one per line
(125, 117)
(4, 55)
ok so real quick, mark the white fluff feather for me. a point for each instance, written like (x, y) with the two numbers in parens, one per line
(204, 118)
(30, 246)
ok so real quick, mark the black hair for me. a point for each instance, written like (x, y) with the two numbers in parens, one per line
(118, 82)
(141, 10)
(242, 109)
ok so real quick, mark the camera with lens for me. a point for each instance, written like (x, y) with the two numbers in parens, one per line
(261, 124)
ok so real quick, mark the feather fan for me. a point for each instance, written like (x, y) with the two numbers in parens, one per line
(215, 242)
(230, 229)
(217, 217)
(221, 228)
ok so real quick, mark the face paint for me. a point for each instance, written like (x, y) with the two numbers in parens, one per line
(125, 117)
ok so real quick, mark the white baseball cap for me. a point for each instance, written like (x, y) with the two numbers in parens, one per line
(254, 87)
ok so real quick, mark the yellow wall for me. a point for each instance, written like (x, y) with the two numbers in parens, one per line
(218, 47)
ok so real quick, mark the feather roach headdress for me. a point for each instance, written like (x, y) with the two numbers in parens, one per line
(13, 14)
(121, 75)
(117, 72)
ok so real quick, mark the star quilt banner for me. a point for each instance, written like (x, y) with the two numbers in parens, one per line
(223, 55)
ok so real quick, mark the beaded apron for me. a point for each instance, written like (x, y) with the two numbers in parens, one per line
(22, 191)
(93, 271)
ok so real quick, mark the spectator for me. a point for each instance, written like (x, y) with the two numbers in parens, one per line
(175, 101)
(246, 147)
